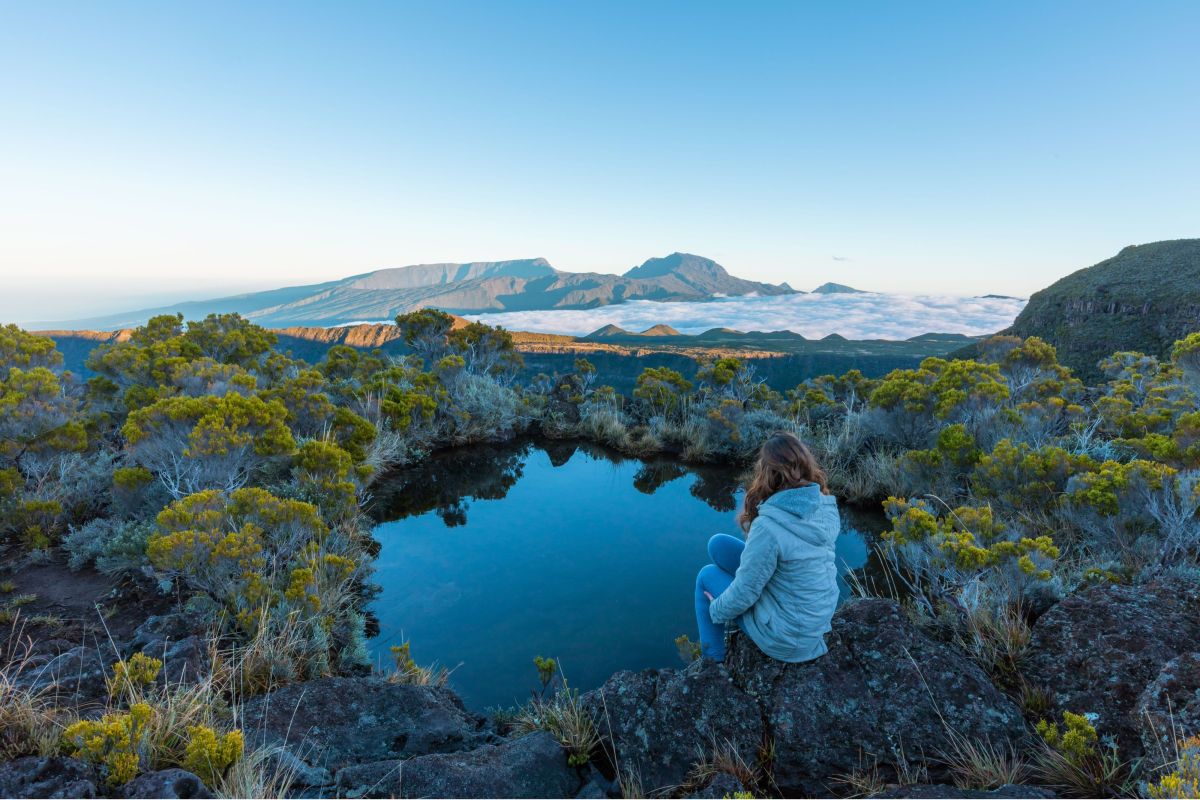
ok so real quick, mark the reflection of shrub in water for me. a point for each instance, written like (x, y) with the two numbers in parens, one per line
(445, 483)
(654, 475)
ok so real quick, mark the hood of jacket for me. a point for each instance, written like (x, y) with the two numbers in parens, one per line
(803, 503)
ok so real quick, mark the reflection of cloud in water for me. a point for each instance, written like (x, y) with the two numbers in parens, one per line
(855, 316)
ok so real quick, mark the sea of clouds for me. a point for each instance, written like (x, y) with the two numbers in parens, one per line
(855, 316)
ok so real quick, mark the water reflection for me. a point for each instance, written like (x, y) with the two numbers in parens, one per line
(448, 482)
(491, 555)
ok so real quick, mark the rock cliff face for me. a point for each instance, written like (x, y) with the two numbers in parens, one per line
(1144, 298)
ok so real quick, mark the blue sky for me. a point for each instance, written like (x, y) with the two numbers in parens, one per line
(155, 148)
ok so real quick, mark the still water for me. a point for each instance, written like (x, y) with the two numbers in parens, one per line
(492, 555)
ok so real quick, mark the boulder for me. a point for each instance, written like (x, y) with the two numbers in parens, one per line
(332, 723)
(592, 790)
(172, 784)
(77, 676)
(1169, 708)
(934, 791)
(177, 640)
(1097, 650)
(48, 777)
(722, 785)
(661, 722)
(160, 628)
(884, 692)
(531, 766)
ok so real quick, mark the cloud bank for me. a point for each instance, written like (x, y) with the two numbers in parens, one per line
(855, 316)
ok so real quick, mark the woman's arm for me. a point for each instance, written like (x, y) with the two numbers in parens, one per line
(759, 560)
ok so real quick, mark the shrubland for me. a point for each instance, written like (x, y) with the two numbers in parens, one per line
(205, 462)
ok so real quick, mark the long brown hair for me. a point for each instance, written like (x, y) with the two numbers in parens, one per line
(784, 462)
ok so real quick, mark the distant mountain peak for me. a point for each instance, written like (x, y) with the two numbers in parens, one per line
(660, 330)
(837, 288)
(608, 332)
(677, 263)
(617, 332)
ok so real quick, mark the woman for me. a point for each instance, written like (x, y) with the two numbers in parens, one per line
(780, 585)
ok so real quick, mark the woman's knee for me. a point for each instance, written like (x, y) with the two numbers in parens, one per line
(726, 551)
(708, 576)
(712, 579)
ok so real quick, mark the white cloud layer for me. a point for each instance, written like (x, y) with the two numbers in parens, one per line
(855, 316)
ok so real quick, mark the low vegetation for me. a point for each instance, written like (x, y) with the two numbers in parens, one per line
(233, 476)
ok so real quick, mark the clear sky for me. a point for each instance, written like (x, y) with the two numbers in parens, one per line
(159, 148)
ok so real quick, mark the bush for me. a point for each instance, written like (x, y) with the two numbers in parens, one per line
(114, 546)
(268, 561)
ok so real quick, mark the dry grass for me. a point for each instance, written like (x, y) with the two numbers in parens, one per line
(265, 662)
(722, 756)
(408, 671)
(630, 782)
(996, 637)
(1035, 701)
(261, 773)
(33, 722)
(982, 765)
(30, 721)
(1102, 774)
(864, 781)
(563, 715)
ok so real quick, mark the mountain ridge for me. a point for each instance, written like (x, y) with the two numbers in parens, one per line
(462, 288)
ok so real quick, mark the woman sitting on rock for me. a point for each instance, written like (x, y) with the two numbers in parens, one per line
(780, 584)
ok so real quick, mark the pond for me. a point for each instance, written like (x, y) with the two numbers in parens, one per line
(491, 555)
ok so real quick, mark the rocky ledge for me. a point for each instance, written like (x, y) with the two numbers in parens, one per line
(884, 695)
(886, 698)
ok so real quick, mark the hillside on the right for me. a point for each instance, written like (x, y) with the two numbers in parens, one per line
(1143, 299)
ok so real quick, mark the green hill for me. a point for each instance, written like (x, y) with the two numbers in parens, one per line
(1143, 298)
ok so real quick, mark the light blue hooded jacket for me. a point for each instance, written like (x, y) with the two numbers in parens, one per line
(785, 590)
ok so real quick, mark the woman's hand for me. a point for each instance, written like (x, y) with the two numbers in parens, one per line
(709, 596)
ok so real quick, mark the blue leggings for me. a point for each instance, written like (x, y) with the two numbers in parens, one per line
(726, 554)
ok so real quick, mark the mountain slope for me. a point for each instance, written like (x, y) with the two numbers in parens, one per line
(1143, 298)
(520, 285)
(837, 288)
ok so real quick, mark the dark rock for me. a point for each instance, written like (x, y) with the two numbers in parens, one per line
(74, 677)
(160, 628)
(1169, 708)
(661, 722)
(884, 691)
(1097, 650)
(333, 723)
(939, 790)
(167, 783)
(722, 785)
(178, 641)
(48, 777)
(592, 790)
(532, 766)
